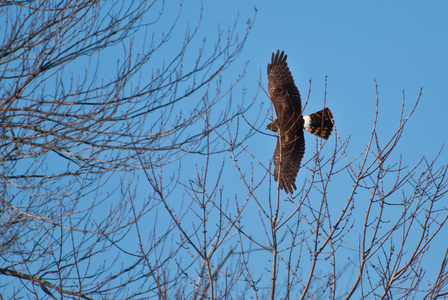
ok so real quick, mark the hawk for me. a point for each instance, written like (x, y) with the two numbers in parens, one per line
(290, 124)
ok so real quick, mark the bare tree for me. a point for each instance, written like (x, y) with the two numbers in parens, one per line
(115, 174)
(360, 227)
(92, 92)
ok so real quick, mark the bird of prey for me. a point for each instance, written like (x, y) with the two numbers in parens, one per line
(290, 123)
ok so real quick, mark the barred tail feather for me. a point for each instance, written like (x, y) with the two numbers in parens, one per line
(319, 123)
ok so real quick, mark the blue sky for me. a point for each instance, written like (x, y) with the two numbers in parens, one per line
(402, 45)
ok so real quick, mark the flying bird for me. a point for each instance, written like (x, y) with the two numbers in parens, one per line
(290, 123)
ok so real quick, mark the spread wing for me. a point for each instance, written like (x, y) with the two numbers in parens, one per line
(287, 157)
(283, 92)
(286, 100)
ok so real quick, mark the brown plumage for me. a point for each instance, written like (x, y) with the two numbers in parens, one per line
(290, 124)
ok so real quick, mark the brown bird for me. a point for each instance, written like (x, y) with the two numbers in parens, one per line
(290, 124)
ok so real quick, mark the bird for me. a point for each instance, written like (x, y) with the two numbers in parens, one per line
(290, 123)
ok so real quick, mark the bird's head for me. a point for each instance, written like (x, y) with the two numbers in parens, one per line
(272, 126)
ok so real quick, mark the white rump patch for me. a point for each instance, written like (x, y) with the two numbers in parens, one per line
(306, 122)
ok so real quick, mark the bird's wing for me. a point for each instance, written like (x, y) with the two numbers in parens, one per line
(287, 161)
(283, 92)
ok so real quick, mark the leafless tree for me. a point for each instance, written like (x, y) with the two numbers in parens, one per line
(127, 172)
(360, 227)
(92, 93)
